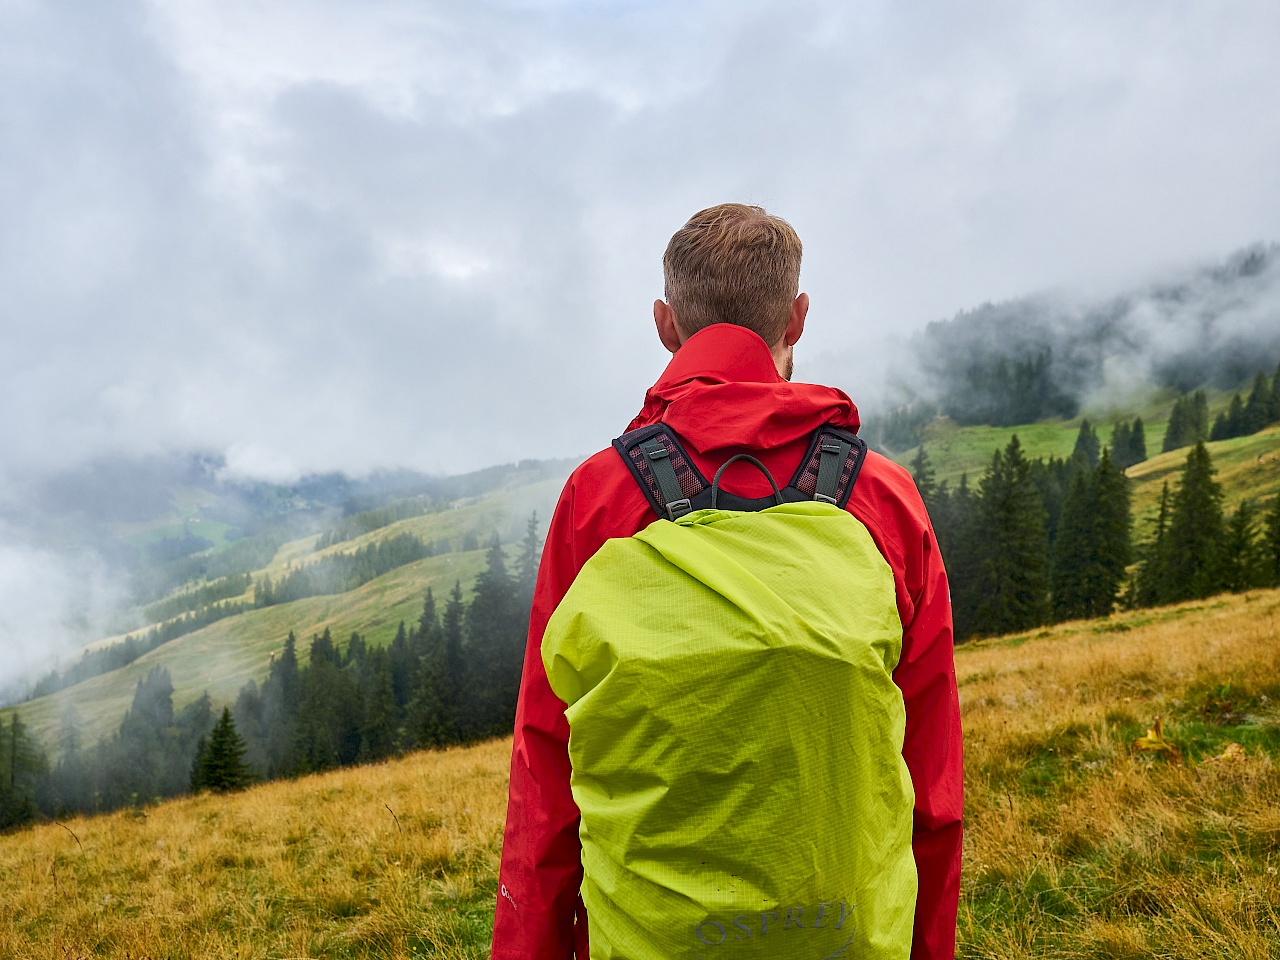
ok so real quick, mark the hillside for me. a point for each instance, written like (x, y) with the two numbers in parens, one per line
(1248, 467)
(1076, 845)
(222, 657)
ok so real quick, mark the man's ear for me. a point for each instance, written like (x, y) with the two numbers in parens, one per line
(795, 326)
(665, 320)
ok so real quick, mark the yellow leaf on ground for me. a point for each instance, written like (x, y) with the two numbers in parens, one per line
(1154, 742)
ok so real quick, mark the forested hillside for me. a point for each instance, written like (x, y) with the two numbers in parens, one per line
(1050, 356)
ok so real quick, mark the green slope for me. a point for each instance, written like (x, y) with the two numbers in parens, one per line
(223, 656)
(1248, 467)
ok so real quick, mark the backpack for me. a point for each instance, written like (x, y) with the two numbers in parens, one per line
(735, 731)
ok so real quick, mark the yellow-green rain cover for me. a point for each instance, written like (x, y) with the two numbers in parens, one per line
(736, 739)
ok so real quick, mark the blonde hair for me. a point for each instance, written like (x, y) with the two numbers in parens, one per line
(733, 263)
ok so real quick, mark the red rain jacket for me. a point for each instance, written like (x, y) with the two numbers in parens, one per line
(722, 394)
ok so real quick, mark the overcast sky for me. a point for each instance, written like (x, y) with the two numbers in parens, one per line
(395, 232)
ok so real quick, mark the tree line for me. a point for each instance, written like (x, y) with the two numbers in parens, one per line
(1042, 541)
(336, 573)
(452, 677)
(1243, 417)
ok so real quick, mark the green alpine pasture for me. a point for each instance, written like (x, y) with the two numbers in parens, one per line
(222, 657)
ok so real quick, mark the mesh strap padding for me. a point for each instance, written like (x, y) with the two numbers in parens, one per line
(831, 473)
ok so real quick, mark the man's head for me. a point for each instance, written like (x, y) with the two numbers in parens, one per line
(734, 264)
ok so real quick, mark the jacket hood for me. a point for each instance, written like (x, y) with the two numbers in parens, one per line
(722, 390)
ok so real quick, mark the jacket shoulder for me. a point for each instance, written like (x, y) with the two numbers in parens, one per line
(885, 480)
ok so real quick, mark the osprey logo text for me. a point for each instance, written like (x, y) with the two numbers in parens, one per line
(793, 922)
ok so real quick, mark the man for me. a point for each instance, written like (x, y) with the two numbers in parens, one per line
(731, 319)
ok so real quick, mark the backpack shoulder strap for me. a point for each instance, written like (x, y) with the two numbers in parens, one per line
(830, 467)
(674, 486)
(666, 475)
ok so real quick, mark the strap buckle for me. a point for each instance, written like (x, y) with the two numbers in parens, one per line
(678, 508)
(825, 499)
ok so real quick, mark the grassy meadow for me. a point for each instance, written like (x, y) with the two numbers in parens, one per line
(221, 657)
(1077, 846)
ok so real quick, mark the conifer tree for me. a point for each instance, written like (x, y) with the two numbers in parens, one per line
(527, 562)
(219, 763)
(1257, 412)
(432, 708)
(1242, 562)
(1198, 418)
(1012, 574)
(378, 722)
(1087, 444)
(1275, 396)
(281, 704)
(493, 649)
(1271, 544)
(1188, 421)
(452, 628)
(21, 763)
(1092, 549)
(1221, 429)
(1074, 550)
(1236, 426)
(401, 665)
(1152, 585)
(1137, 444)
(956, 527)
(1121, 442)
(1113, 528)
(1173, 431)
(926, 482)
(1193, 566)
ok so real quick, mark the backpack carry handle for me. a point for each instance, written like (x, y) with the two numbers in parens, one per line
(715, 484)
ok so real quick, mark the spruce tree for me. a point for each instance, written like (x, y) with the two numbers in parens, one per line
(1221, 429)
(1074, 550)
(1188, 421)
(1152, 584)
(1092, 550)
(1275, 397)
(1012, 568)
(1121, 441)
(1257, 412)
(1137, 444)
(494, 647)
(401, 665)
(1271, 544)
(379, 724)
(281, 705)
(1195, 531)
(1198, 418)
(1114, 534)
(957, 532)
(527, 561)
(1236, 426)
(21, 764)
(922, 473)
(1174, 430)
(1241, 559)
(219, 764)
(432, 718)
(1087, 444)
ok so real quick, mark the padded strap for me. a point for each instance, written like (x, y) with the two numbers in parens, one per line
(830, 466)
(673, 499)
(674, 486)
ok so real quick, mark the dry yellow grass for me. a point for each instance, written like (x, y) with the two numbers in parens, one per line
(319, 867)
(1078, 847)
(1075, 846)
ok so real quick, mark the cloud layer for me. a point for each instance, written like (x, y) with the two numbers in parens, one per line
(336, 236)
